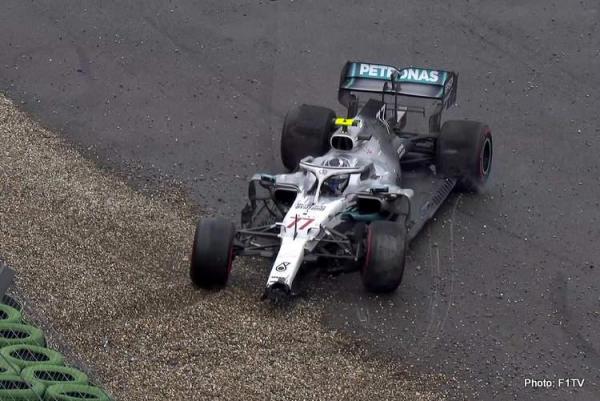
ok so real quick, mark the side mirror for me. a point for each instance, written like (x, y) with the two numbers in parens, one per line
(378, 190)
(267, 180)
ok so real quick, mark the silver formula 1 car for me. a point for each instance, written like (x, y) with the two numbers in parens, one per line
(359, 187)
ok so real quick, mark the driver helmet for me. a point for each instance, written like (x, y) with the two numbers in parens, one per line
(337, 183)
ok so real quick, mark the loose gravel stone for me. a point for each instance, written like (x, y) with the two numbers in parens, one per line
(107, 266)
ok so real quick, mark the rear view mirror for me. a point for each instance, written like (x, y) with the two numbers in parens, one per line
(267, 180)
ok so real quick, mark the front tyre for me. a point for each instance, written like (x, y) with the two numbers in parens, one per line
(464, 151)
(212, 253)
(385, 254)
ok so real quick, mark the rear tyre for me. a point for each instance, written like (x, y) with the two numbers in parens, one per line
(212, 253)
(464, 151)
(306, 132)
(384, 256)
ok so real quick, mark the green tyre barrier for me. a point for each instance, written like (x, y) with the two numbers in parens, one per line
(6, 369)
(16, 333)
(75, 392)
(24, 355)
(14, 388)
(12, 302)
(49, 375)
(8, 314)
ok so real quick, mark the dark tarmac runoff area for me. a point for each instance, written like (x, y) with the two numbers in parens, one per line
(499, 288)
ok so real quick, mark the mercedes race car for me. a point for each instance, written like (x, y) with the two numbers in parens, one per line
(359, 187)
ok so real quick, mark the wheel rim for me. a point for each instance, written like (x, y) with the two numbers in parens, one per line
(485, 158)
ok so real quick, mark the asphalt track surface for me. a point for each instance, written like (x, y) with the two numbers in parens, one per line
(499, 288)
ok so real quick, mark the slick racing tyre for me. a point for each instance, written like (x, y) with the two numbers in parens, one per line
(212, 253)
(23, 355)
(306, 132)
(15, 388)
(16, 333)
(74, 392)
(464, 151)
(385, 251)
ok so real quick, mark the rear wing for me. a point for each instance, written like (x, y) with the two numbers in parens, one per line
(411, 81)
